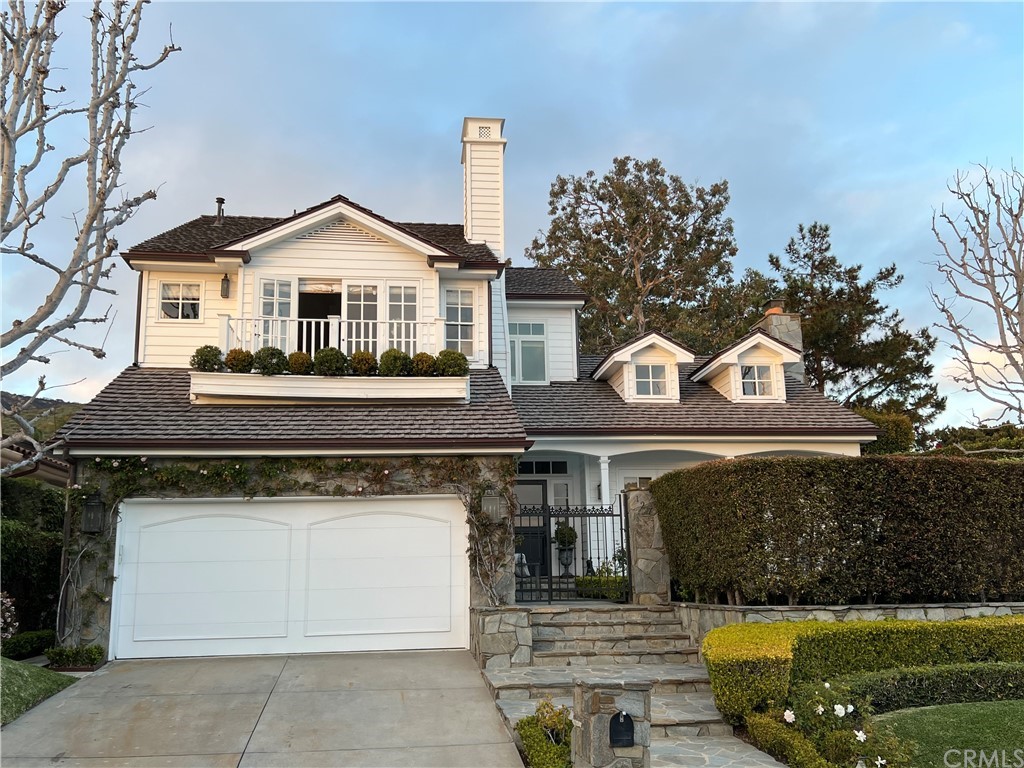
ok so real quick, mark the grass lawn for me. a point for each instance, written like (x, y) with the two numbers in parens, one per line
(989, 726)
(22, 686)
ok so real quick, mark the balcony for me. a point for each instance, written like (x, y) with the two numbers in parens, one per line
(309, 335)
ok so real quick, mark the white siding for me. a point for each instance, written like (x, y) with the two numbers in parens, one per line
(481, 290)
(725, 382)
(483, 193)
(560, 326)
(499, 336)
(170, 343)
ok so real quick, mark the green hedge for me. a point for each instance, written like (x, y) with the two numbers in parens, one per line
(540, 751)
(75, 656)
(771, 735)
(752, 666)
(908, 687)
(845, 529)
(25, 645)
(30, 564)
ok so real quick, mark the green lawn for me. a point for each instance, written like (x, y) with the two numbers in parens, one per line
(22, 686)
(988, 726)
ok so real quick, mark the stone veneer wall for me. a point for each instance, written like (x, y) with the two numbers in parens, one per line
(698, 618)
(594, 704)
(501, 637)
(649, 566)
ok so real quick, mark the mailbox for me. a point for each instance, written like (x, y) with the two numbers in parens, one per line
(621, 730)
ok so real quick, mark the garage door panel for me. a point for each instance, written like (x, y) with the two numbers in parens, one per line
(228, 576)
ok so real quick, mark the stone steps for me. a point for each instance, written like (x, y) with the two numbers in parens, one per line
(654, 625)
(613, 642)
(644, 657)
(536, 682)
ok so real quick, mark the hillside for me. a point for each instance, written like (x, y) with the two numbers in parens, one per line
(62, 411)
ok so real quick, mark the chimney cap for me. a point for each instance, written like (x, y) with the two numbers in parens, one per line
(774, 307)
(220, 211)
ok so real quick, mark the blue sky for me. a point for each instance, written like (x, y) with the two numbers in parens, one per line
(853, 114)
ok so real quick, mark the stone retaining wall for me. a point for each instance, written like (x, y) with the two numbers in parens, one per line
(501, 637)
(699, 618)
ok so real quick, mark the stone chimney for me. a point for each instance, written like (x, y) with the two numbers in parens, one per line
(483, 150)
(784, 326)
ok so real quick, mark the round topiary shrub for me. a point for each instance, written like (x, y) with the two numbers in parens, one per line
(363, 363)
(270, 361)
(423, 364)
(300, 363)
(330, 361)
(395, 362)
(451, 362)
(207, 358)
(238, 360)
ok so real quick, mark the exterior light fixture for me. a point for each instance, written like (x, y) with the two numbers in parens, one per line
(225, 287)
(93, 514)
(490, 503)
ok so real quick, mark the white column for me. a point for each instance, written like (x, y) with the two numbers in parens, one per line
(606, 500)
(606, 481)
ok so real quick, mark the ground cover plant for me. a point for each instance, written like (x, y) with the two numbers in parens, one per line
(547, 736)
(22, 686)
(959, 735)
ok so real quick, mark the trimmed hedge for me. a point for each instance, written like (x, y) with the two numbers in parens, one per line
(830, 530)
(30, 562)
(771, 735)
(25, 645)
(75, 656)
(752, 666)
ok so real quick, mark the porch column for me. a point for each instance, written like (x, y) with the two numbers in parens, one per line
(606, 481)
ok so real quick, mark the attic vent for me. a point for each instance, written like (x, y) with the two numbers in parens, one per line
(341, 232)
(484, 132)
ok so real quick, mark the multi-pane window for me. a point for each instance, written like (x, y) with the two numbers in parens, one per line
(757, 380)
(275, 310)
(402, 318)
(642, 483)
(526, 344)
(361, 318)
(179, 301)
(458, 320)
(651, 380)
(543, 468)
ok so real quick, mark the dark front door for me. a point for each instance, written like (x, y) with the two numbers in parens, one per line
(531, 531)
(317, 307)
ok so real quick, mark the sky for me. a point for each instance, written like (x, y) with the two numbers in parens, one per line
(857, 115)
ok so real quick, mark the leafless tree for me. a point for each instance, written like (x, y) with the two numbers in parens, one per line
(982, 262)
(33, 109)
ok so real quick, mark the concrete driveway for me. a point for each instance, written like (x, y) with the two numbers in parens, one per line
(412, 708)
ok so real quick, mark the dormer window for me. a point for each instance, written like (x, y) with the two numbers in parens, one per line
(757, 380)
(651, 380)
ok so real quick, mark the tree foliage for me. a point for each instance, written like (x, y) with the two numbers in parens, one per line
(36, 116)
(651, 251)
(982, 302)
(855, 348)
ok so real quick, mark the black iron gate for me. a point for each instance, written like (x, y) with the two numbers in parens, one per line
(572, 553)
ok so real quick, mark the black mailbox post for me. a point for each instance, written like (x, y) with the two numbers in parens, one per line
(621, 730)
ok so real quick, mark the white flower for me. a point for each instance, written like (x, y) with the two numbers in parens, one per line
(849, 708)
(879, 761)
(840, 710)
(98, 459)
(861, 736)
(143, 459)
(115, 463)
(76, 487)
(788, 716)
(359, 489)
(827, 686)
(387, 471)
(820, 710)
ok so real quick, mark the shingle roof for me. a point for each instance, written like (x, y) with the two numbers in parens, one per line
(452, 237)
(539, 283)
(594, 407)
(204, 234)
(150, 407)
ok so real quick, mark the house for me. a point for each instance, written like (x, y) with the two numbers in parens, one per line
(253, 514)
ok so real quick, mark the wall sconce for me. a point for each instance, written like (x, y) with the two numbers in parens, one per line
(490, 503)
(93, 513)
(225, 287)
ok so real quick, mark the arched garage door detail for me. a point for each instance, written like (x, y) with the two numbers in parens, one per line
(233, 577)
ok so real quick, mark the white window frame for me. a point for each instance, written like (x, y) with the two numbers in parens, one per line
(769, 379)
(416, 341)
(345, 321)
(276, 320)
(160, 301)
(516, 352)
(650, 378)
(472, 325)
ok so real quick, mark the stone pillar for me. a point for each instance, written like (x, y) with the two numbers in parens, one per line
(594, 704)
(501, 637)
(649, 565)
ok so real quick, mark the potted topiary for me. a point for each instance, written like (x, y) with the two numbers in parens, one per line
(207, 359)
(330, 361)
(423, 364)
(270, 361)
(451, 362)
(395, 362)
(362, 363)
(565, 539)
(300, 363)
(238, 360)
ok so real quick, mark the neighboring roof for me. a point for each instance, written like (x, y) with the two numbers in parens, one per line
(589, 407)
(758, 333)
(149, 408)
(46, 469)
(682, 353)
(205, 233)
(540, 283)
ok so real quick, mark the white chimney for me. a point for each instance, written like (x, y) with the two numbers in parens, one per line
(483, 189)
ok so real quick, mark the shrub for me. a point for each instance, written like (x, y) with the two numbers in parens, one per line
(605, 586)
(270, 361)
(770, 734)
(451, 362)
(30, 562)
(25, 645)
(565, 534)
(300, 364)
(238, 360)
(330, 362)
(424, 364)
(8, 618)
(207, 358)
(845, 529)
(897, 432)
(362, 363)
(395, 362)
(547, 736)
(75, 656)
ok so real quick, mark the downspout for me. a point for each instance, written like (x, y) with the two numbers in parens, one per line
(138, 320)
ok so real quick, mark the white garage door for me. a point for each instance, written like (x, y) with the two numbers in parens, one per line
(230, 577)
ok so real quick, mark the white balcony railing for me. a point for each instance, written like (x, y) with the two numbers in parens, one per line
(290, 335)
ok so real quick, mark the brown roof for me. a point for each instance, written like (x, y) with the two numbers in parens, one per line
(451, 237)
(150, 408)
(594, 407)
(540, 283)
